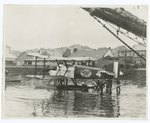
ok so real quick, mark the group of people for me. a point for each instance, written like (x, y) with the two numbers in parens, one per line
(99, 86)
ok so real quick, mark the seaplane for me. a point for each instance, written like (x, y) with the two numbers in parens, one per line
(68, 70)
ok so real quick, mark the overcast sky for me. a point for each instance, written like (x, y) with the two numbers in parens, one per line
(38, 26)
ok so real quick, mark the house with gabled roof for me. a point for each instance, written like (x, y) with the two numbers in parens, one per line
(131, 57)
(108, 54)
(9, 57)
(20, 60)
(109, 58)
(89, 53)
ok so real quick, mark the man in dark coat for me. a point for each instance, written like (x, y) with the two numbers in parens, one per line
(100, 85)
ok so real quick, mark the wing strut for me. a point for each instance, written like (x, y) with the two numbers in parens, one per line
(44, 69)
(66, 68)
(35, 66)
(58, 66)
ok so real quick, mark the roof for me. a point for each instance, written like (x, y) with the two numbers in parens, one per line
(26, 56)
(109, 53)
(90, 53)
(118, 54)
(53, 53)
(9, 56)
(117, 51)
(83, 58)
(66, 53)
(138, 47)
(61, 50)
(36, 55)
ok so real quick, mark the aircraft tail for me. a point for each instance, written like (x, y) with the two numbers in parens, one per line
(116, 69)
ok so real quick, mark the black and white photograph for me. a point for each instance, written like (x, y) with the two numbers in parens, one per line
(75, 61)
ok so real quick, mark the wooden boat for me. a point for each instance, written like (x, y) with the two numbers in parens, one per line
(13, 78)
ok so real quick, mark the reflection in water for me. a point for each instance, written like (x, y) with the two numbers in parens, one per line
(33, 102)
(117, 106)
(107, 107)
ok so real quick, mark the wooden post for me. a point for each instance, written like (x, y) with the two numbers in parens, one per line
(55, 82)
(66, 82)
(35, 66)
(44, 69)
(74, 81)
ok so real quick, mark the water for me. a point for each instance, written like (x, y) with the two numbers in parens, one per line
(22, 100)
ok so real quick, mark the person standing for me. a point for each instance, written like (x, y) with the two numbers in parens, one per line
(100, 85)
(118, 86)
(84, 87)
(110, 86)
(107, 85)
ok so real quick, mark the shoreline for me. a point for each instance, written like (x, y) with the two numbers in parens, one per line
(129, 74)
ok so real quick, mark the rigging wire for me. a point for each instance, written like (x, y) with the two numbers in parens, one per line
(119, 38)
(126, 35)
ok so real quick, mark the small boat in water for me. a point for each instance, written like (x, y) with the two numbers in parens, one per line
(13, 78)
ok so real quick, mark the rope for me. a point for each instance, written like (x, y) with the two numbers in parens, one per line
(123, 85)
(119, 38)
(126, 35)
(122, 26)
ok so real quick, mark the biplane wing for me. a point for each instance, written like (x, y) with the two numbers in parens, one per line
(37, 55)
(82, 58)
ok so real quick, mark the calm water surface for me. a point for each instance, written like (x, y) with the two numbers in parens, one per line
(23, 100)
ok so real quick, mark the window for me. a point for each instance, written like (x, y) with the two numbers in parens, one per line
(29, 62)
(144, 53)
(135, 55)
(128, 53)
